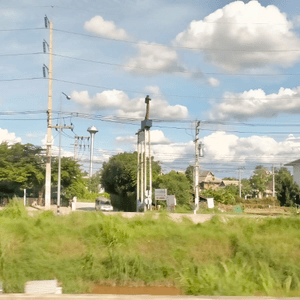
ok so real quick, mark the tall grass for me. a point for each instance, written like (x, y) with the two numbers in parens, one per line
(241, 256)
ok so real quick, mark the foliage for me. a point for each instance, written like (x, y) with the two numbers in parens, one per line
(189, 173)
(230, 178)
(177, 184)
(222, 195)
(288, 191)
(119, 177)
(235, 257)
(21, 166)
(246, 187)
(72, 182)
(93, 183)
(260, 178)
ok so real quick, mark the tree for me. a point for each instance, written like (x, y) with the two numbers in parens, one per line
(246, 187)
(177, 184)
(72, 182)
(21, 166)
(230, 178)
(224, 196)
(119, 177)
(288, 191)
(189, 173)
(260, 179)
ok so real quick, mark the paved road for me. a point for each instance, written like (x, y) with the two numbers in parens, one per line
(198, 218)
(129, 297)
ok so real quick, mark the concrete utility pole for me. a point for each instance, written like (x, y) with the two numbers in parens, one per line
(150, 169)
(142, 169)
(92, 130)
(273, 173)
(196, 178)
(240, 182)
(60, 127)
(144, 190)
(138, 172)
(49, 128)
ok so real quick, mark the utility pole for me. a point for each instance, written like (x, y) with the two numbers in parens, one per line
(49, 125)
(273, 173)
(150, 170)
(144, 152)
(142, 170)
(196, 178)
(138, 172)
(240, 183)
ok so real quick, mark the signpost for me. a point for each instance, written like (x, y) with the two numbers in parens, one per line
(161, 194)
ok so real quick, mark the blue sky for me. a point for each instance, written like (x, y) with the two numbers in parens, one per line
(233, 65)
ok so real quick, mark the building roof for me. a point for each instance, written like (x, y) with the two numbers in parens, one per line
(203, 177)
(293, 163)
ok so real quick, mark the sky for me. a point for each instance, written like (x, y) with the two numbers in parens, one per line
(232, 65)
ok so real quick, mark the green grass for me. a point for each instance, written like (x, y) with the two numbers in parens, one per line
(242, 256)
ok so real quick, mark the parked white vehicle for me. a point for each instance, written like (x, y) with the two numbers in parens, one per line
(103, 204)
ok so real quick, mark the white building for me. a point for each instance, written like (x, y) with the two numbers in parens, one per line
(296, 170)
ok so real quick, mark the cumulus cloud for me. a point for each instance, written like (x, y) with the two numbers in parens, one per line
(104, 28)
(120, 104)
(157, 138)
(223, 147)
(243, 28)
(8, 137)
(153, 58)
(256, 103)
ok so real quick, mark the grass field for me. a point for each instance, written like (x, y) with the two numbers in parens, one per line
(242, 256)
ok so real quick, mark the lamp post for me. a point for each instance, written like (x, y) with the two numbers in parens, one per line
(59, 152)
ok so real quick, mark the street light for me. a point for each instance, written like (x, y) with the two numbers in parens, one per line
(59, 152)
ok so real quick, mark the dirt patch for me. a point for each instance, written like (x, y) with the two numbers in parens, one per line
(136, 290)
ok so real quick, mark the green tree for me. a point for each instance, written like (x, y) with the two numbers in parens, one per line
(221, 195)
(260, 179)
(230, 178)
(21, 166)
(119, 177)
(177, 184)
(288, 191)
(72, 182)
(246, 187)
(189, 173)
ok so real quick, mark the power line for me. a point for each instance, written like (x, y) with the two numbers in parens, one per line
(21, 29)
(175, 47)
(176, 71)
(21, 79)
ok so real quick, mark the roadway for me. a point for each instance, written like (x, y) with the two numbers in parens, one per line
(130, 297)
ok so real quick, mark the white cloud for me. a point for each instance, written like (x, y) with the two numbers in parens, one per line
(157, 138)
(223, 147)
(244, 28)
(256, 103)
(119, 104)
(10, 138)
(153, 58)
(104, 28)
(213, 81)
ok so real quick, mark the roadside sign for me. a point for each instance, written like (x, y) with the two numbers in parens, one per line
(161, 194)
(171, 200)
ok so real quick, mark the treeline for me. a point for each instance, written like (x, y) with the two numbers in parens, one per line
(23, 167)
